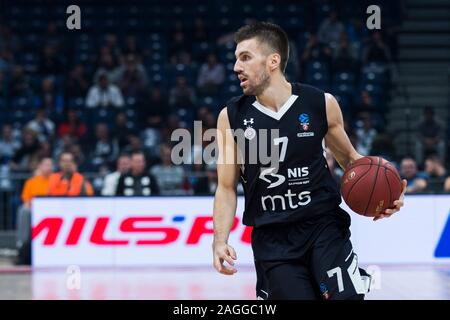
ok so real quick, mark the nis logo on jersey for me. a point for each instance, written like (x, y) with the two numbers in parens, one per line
(295, 176)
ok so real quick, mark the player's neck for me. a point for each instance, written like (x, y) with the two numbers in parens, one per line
(276, 94)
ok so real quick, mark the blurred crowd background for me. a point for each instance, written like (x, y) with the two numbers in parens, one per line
(104, 100)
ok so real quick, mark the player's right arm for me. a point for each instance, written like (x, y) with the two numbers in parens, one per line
(225, 198)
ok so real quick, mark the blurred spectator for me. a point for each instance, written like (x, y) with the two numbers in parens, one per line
(377, 50)
(23, 157)
(83, 163)
(121, 130)
(137, 182)
(202, 113)
(50, 63)
(211, 75)
(200, 31)
(106, 149)
(173, 122)
(62, 144)
(436, 172)
(8, 40)
(42, 125)
(357, 31)
(315, 51)
(155, 106)
(365, 103)
(134, 145)
(35, 186)
(182, 95)
(330, 30)
(345, 56)
(131, 47)
(104, 94)
(19, 85)
(68, 181)
(38, 184)
(112, 179)
(106, 65)
(151, 135)
(111, 46)
(77, 83)
(383, 146)
(170, 177)
(53, 38)
(72, 125)
(185, 59)
(49, 99)
(132, 77)
(178, 43)
(430, 139)
(365, 133)
(199, 180)
(8, 144)
(416, 180)
(210, 121)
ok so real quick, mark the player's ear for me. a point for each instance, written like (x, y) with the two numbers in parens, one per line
(274, 61)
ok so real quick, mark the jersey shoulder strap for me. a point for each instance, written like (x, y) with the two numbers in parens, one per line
(235, 106)
(314, 100)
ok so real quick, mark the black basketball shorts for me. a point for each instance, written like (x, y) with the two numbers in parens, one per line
(329, 270)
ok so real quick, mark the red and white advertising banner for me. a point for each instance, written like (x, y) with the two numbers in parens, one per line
(177, 231)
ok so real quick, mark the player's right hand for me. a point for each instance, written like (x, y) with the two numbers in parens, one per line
(224, 252)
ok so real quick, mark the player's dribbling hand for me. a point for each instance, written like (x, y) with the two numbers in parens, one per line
(397, 203)
(224, 252)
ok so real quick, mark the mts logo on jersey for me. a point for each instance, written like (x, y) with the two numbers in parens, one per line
(289, 199)
(132, 230)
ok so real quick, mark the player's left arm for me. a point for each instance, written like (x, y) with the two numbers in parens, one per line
(338, 142)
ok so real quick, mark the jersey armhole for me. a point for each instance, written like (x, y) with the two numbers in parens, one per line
(325, 113)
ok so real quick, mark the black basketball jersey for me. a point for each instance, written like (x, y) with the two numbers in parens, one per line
(301, 187)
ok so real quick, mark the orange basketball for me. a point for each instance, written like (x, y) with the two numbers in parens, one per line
(371, 185)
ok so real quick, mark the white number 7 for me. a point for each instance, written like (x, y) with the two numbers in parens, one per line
(284, 143)
(353, 271)
(338, 273)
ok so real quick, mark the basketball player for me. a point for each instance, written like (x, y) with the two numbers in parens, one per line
(300, 237)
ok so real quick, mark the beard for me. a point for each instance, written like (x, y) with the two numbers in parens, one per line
(261, 83)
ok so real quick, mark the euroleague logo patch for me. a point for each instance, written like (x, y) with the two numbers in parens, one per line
(304, 121)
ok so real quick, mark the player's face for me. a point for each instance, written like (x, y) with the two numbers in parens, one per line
(251, 66)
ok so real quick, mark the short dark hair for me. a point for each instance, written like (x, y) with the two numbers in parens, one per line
(268, 33)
